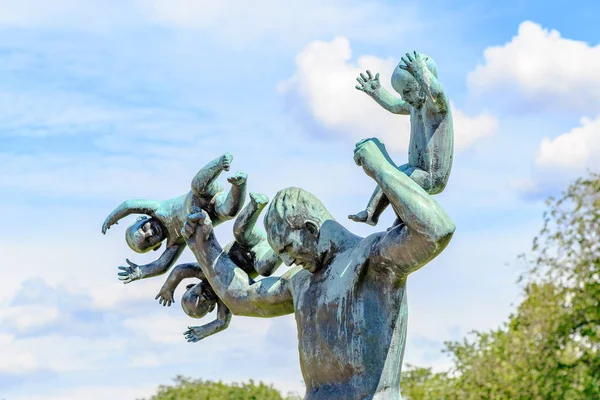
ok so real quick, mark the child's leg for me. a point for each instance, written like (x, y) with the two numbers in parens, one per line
(428, 180)
(204, 183)
(377, 204)
(229, 205)
(266, 260)
(245, 231)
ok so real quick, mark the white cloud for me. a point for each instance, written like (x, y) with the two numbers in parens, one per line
(28, 317)
(542, 67)
(468, 130)
(575, 150)
(325, 80)
(15, 361)
(561, 159)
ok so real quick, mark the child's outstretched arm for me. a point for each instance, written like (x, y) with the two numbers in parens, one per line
(197, 333)
(179, 273)
(202, 184)
(134, 272)
(371, 86)
(128, 207)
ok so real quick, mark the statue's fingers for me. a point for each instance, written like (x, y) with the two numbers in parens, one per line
(361, 88)
(409, 57)
(363, 76)
(189, 229)
(404, 61)
(416, 55)
(199, 216)
(130, 263)
(360, 81)
(369, 74)
(377, 76)
(404, 67)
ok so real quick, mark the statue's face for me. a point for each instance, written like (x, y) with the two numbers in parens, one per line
(296, 246)
(146, 234)
(407, 87)
(196, 302)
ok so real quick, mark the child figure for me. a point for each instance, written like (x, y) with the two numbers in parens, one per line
(431, 132)
(164, 219)
(198, 300)
(250, 251)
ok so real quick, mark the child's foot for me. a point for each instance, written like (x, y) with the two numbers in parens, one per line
(238, 179)
(259, 201)
(226, 161)
(363, 216)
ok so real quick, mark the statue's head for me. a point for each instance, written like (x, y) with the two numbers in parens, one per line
(198, 300)
(407, 86)
(145, 234)
(293, 222)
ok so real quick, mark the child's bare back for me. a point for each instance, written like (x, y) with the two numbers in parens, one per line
(164, 219)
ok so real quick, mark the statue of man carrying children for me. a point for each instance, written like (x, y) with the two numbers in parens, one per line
(348, 293)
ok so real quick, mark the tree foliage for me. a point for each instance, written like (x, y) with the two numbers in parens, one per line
(198, 389)
(550, 346)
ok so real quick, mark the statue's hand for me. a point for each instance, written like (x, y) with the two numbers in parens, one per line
(414, 64)
(368, 83)
(198, 226)
(195, 333)
(165, 297)
(371, 154)
(107, 224)
(226, 161)
(131, 273)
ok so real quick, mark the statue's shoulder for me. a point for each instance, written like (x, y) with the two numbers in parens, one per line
(369, 244)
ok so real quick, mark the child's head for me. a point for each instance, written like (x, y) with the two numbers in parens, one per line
(198, 300)
(407, 86)
(144, 235)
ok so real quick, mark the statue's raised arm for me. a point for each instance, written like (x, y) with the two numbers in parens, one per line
(426, 230)
(268, 297)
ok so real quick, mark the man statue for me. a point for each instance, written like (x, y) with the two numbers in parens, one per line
(348, 293)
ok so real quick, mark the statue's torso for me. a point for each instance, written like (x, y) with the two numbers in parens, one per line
(351, 330)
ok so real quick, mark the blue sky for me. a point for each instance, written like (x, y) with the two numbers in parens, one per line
(104, 101)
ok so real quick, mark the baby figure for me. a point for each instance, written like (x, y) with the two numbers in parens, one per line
(164, 219)
(250, 251)
(431, 133)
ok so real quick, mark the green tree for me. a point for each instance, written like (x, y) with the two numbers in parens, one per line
(198, 389)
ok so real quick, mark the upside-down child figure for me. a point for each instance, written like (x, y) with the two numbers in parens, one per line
(250, 251)
(164, 219)
(431, 132)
